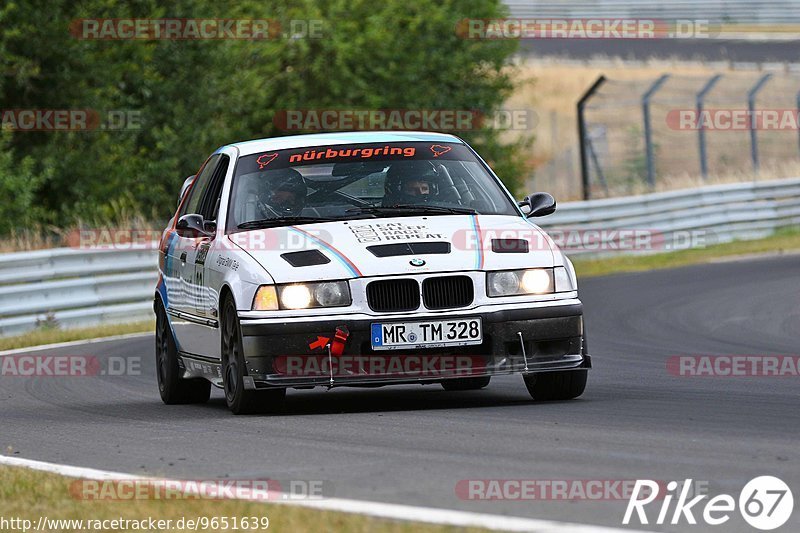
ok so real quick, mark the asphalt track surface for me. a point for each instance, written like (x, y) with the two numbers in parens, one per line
(412, 444)
(683, 49)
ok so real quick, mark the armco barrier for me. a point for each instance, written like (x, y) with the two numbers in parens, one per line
(71, 287)
(74, 288)
(729, 11)
(711, 215)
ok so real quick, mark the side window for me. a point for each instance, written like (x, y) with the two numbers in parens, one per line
(192, 204)
(210, 203)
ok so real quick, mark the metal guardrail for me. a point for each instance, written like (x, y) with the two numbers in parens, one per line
(735, 11)
(71, 287)
(676, 219)
(67, 287)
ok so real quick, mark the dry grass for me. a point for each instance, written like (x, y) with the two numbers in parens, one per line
(42, 237)
(552, 90)
(29, 494)
(52, 336)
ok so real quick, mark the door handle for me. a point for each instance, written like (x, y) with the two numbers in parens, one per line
(183, 257)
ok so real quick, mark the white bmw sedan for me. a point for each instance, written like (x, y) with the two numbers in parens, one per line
(360, 259)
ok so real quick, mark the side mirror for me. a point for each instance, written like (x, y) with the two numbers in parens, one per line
(184, 188)
(194, 225)
(539, 204)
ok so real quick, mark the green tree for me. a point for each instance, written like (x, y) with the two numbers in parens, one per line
(193, 96)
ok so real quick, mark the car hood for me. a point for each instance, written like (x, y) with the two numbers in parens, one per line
(397, 246)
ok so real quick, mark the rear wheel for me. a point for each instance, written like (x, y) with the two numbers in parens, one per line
(173, 388)
(466, 383)
(561, 385)
(239, 400)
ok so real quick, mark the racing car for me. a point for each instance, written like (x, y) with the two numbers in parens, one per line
(360, 259)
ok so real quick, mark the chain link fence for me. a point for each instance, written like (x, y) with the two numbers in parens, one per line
(673, 131)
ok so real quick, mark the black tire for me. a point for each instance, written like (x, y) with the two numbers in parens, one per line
(173, 388)
(466, 383)
(239, 400)
(561, 385)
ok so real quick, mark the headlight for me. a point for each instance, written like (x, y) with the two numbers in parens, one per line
(295, 297)
(536, 281)
(305, 295)
(516, 282)
(332, 294)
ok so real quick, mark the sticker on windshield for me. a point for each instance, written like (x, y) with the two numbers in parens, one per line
(370, 155)
(438, 149)
(265, 159)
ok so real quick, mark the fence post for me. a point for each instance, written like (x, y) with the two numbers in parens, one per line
(798, 104)
(582, 136)
(701, 131)
(648, 134)
(751, 108)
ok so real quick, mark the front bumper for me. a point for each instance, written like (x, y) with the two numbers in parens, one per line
(516, 339)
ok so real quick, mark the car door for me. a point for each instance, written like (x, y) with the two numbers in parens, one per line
(183, 254)
(207, 279)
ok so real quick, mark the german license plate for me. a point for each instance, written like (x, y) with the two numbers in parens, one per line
(428, 334)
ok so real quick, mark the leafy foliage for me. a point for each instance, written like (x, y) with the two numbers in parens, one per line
(190, 96)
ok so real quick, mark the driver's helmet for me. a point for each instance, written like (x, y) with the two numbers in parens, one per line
(286, 192)
(411, 182)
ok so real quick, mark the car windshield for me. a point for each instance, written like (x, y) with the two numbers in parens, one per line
(341, 182)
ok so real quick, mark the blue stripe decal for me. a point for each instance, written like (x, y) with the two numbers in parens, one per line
(172, 239)
(340, 257)
(478, 243)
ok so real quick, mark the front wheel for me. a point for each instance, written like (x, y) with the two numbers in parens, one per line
(561, 385)
(173, 388)
(241, 401)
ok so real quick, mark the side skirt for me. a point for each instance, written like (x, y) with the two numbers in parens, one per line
(195, 366)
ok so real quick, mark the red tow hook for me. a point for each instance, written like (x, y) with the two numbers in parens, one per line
(339, 340)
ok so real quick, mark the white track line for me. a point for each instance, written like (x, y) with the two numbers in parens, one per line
(379, 510)
(76, 343)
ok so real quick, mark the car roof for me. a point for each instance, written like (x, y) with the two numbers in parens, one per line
(321, 139)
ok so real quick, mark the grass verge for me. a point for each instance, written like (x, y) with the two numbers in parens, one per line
(55, 335)
(29, 495)
(782, 241)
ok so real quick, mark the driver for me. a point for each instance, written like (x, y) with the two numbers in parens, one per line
(411, 182)
(286, 192)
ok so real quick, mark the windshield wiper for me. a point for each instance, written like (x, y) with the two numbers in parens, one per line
(282, 221)
(413, 209)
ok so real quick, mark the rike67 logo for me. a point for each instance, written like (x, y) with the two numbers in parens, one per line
(765, 502)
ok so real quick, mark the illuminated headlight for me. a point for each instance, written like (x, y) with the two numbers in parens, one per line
(516, 282)
(295, 297)
(305, 295)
